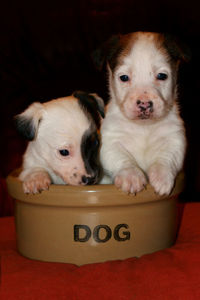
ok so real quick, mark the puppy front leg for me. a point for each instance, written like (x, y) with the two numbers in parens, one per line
(123, 169)
(161, 178)
(35, 180)
(130, 180)
(166, 163)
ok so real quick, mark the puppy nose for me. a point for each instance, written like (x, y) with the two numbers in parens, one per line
(88, 180)
(143, 105)
(150, 104)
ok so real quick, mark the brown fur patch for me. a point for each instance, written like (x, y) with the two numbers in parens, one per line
(126, 43)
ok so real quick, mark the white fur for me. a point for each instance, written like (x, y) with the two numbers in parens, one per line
(134, 150)
(62, 127)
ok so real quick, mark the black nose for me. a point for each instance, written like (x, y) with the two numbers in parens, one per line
(88, 180)
(144, 105)
(150, 104)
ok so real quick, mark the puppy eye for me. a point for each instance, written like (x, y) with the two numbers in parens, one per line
(124, 78)
(64, 152)
(161, 76)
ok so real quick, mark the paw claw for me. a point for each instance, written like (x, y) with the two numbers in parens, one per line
(36, 183)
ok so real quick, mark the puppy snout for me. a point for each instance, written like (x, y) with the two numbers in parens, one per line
(88, 180)
(145, 105)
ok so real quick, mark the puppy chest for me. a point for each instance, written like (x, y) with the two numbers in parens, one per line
(141, 148)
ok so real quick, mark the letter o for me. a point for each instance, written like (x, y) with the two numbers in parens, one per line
(96, 233)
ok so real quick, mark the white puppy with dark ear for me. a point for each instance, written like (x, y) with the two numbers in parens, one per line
(143, 136)
(63, 141)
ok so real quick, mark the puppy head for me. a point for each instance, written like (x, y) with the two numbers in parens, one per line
(63, 136)
(142, 74)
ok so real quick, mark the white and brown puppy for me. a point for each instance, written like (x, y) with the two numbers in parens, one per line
(143, 136)
(64, 142)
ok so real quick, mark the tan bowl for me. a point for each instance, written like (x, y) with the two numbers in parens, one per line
(81, 225)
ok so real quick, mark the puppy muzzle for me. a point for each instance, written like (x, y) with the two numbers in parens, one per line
(144, 108)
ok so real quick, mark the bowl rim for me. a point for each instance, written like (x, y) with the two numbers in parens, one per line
(87, 196)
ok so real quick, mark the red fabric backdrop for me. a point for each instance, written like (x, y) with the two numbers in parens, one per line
(170, 274)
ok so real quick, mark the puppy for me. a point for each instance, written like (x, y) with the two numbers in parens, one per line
(143, 136)
(64, 143)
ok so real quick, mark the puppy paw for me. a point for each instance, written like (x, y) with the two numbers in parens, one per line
(161, 179)
(36, 183)
(130, 180)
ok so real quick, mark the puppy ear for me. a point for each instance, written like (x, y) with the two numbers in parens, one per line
(100, 103)
(27, 122)
(106, 52)
(176, 48)
(92, 104)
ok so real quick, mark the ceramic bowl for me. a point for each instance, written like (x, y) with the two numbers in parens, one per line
(89, 224)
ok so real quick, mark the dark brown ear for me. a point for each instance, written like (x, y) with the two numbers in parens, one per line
(176, 48)
(106, 52)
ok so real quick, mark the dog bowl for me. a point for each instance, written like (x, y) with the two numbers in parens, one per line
(90, 224)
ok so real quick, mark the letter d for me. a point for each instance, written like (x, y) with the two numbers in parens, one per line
(77, 237)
